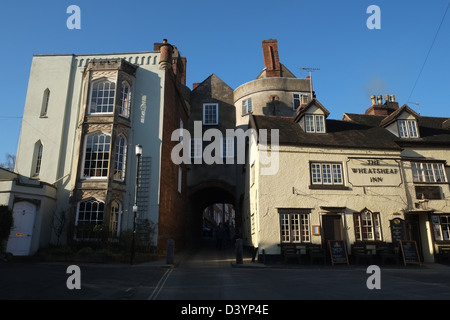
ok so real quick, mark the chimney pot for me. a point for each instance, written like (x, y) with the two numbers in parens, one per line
(380, 99)
(386, 98)
(392, 98)
(372, 97)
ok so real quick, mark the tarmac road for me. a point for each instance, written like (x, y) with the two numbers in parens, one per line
(208, 274)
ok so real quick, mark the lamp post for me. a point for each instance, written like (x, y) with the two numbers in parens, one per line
(135, 207)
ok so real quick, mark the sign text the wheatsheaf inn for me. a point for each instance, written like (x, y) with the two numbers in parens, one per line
(374, 172)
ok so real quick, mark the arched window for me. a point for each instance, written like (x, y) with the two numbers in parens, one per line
(102, 97)
(96, 155)
(115, 218)
(125, 95)
(39, 150)
(45, 100)
(367, 226)
(89, 220)
(120, 158)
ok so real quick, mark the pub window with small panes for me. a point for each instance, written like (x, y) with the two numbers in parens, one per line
(367, 226)
(326, 174)
(428, 172)
(441, 227)
(295, 227)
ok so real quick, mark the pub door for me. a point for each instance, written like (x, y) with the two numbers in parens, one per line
(413, 231)
(331, 230)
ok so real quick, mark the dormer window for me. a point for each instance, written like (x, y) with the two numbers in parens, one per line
(408, 129)
(311, 117)
(403, 123)
(315, 123)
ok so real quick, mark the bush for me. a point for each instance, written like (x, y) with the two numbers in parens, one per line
(6, 223)
(85, 251)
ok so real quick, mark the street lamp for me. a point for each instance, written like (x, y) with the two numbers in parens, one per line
(135, 207)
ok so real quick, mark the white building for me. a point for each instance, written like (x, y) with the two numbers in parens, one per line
(83, 117)
(354, 180)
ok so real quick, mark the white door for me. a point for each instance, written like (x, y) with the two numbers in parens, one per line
(19, 241)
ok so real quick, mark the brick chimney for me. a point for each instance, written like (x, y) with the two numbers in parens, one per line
(378, 108)
(271, 59)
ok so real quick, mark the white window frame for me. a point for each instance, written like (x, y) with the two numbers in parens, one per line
(196, 148)
(315, 123)
(125, 100)
(408, 129)
(38, 163)
(326, 173)
(115, 218)
(210, 120)
(91, 214)
(227, 150)
(109, 105)
(296, 96)
(120, 160)
(441, 227)
(247, 106)
(108, 138)
(428, 172)
(295, 227)
(367, 226)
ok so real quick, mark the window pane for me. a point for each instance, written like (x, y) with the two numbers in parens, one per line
(102, 97)
(326, 173)
(445, 226)
(403, 131)
(96, 155)
(295, 228)
(320, 123)
(196, 148)
(305, 228)
(439, 172)
(315, 173)
(337, 174)
(120, 158)
(90, 219)
(296, 100)
(210, 114)
(228, 147)
(124, 108)
(412, 129)
(428, 170)
(285, 234)
(246, 106)
(309, 123)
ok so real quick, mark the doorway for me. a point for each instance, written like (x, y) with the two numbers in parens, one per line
(331, 230)
(19, 241)
(413, 231)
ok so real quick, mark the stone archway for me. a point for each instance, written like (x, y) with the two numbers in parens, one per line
(202, 196)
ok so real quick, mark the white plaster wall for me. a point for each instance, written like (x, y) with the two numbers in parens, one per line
(52, 72)
(289, 188)
(60, 131)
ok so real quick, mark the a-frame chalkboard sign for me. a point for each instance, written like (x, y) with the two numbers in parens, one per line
(338, 251)
(410, 254)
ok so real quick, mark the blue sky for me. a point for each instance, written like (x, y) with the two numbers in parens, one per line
(224, 37)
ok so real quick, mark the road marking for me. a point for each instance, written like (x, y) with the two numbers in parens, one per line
(160, 284)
